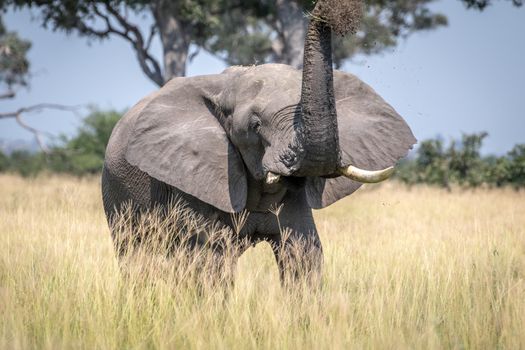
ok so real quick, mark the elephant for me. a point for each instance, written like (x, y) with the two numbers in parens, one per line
(253, 138)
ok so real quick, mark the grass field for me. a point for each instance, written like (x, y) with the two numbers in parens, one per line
(404, 268)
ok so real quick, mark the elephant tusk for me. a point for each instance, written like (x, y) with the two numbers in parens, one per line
(272, 178)
(366, 176)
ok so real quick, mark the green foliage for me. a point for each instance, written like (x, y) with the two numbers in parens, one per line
(82, 154)
(383, 24)
(26, 163)
(248, 39)
(465, 164)
(86, 150)
(14, 66)
(432, 163)
(462, 164)
(4, 162)
(481, 4)
(197, 22)
(239, 32)
(516, 166)
(241, 40)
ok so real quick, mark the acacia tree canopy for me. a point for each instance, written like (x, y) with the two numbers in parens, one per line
(14, 65)
(482, 4)
(236, 31)
(177, 24)
(14, 72)
(279, 36)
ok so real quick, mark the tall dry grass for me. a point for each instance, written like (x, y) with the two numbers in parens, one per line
(404, 268)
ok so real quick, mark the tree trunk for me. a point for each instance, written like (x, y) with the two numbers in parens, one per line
(288, 45)
(175, 38)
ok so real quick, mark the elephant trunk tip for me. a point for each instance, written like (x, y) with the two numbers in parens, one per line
(343, 16)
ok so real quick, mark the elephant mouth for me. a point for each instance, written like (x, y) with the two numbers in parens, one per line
(272, 178)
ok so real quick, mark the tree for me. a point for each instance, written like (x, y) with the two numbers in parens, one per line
(86, 150)
(482, 4)
(465, 163)
(14, 72)
(432, 164)
(26, 163)
(84, 153)
(279, 36)
(4, 161)
(516, 166)
(176, 23)
(461, 163)
(14, 65)
(496, 171)
(237, 31)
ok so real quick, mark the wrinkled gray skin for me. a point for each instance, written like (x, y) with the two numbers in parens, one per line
(211, 140)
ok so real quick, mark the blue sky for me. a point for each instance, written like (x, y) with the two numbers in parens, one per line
(467, 77)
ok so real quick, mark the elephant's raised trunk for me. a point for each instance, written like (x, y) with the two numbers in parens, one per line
(319, 133)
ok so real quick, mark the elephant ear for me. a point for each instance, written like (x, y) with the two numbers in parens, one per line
(372, 136)
(177, 139)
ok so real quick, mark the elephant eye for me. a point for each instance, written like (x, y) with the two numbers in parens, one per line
(255, 125)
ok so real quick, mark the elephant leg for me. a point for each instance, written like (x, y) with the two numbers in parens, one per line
(215, 267)
(299, 257)
(215, 256)
(296, 246)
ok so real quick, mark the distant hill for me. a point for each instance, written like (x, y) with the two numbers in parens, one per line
(9, 146)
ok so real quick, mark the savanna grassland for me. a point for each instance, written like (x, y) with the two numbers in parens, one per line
(404, 268)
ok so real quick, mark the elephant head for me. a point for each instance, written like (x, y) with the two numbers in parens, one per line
(213, 136)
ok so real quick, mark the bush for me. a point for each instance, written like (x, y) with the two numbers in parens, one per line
(4, 162)
(84, 153)
(461, 163)
(516, 166)
(26, 163)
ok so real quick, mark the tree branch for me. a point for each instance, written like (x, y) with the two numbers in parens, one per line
(109, 27)
(7, 94)
(141, 47)
(129, 32)
(152, 32)
(17, 115)
(194, 54)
